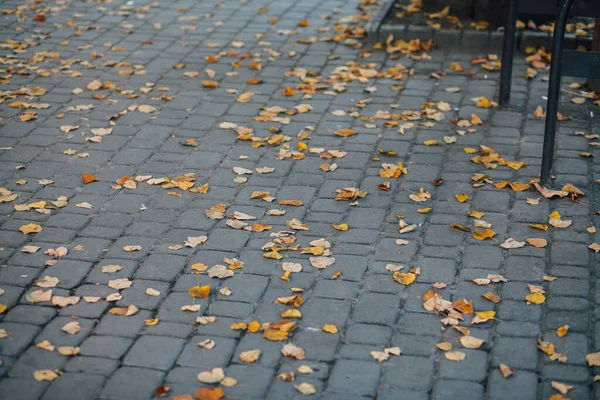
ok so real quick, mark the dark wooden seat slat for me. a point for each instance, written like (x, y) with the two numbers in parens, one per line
(581, 64)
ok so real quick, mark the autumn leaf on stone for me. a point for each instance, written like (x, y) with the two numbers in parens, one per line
(455, 355)
(471, 342)
(306, 389)
(291, 350)
(206, 393)
(404, 278)
(294, 301)
(119, 284)
(88, 178)
(535, 298)
(511, 243)
(321, 262)
(135, 247)
(47, 282)
(71, 327)
(39, 296)
(30, 228)
(68, 350)
(483, 316)
(330, 328)
(213, 376)
(506, 371)
(64, 301)
(561, 387)
(345, 132)
(562, 330)
(44, 375)
(548, 193)
(146, 109)
(595, 247)
(421, 196)
(461, 197)
(555, 220)
(250, 356)
(220, 271)
(483, 234)
(194, 241)
(200, 292)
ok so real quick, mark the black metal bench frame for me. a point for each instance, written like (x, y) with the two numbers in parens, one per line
(572, 63)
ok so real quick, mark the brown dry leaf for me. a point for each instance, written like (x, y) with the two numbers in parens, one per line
(45, 345)
(464, 306)
(345, 132)
(30, 249)
(39, 296)
(122, 283)
(593, 359)
(444, 346)
(511, 243)
(209, 393)
(44, 375)
(321, 262)
(88, 178)
(506, 371)
(250, 356)
(291, 350)
(455, 355)
(471, 342)
(421, 196)
(71, 327)
(194, 241)
(595, 247)
(561, 387)
(63, 301)
(47, 282)
(146, 109)
(68, 350)
(306, 389)
(539, 112)
(220, 271)
(244, 97)
(537, 242)
(110, 269)
(30, 228)
(295, 300)
(548, 193)
(491, 297)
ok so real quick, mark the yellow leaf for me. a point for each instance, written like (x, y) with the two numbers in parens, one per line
(491, 297)
(476, 214)
(483, 234)
(470, 150)
(430, 143)
(3, 308)
(554, 215)
(541, 227)
(151, 322)
(535, 298)
(340, 227)
(405, 278)
(253, 326)
(485, 314)
(455, 355)
(461, 197)
(471, 342)
(330, 328)
(250, 356)
(506, 370)
(444, 346)
(30, 228)
(238, 326)
(200, 292)
(290, 313)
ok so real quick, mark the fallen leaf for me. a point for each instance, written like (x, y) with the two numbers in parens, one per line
(455, 355)
(561, 387)
(30, 228)
(444, 346)
(122, 283)
(88, 178)
(194, 241)
(511, 243)
(209, 393)
(562, 331)
(291, 350)
(330, 328)
(44, 375)
(506, 371)
(220, 271)
(39, 296)
(213, 376)
(306, 389)
(68, 350)
(535, 298)
(537, 242)
(471, 342)
(250, 356)
(71, 327)
(461, 197)
(483, 234)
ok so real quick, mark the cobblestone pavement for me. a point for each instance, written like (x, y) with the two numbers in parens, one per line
(112, 326)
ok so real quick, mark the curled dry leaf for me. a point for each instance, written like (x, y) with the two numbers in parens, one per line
(511, 243)
(562, 331)
(209, 393)
(380, 356)
(506, 371)
(561, 387)
(135, 247)
(193, 241)
(537, 242)
(220, 271)
(68, 350)
(321, 262)
(291, 350)
(30, 228)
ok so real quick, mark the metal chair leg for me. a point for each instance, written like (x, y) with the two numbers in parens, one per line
(554, 88)
(508, 51)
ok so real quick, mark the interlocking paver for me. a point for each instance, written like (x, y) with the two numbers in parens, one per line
(162, 47)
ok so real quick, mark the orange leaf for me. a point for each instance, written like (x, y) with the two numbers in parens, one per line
(87, 178)
(200, 292)
(303, 23)
(288, 91)
(209, 393)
